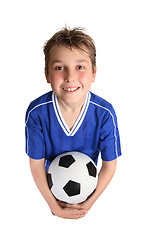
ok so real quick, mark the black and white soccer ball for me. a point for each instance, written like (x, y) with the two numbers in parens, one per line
(72, 177)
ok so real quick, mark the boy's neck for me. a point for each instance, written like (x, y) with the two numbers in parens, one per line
(70, 112)
(71, 107)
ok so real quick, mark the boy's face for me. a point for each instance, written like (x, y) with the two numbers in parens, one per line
(70, 74)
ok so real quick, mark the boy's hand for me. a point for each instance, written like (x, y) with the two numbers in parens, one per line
(71, 213)
(105, 175)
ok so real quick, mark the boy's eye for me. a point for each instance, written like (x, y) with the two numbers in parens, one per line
(59, 68)
(80, 67)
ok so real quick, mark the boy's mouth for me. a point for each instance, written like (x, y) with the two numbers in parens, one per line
(71, 89)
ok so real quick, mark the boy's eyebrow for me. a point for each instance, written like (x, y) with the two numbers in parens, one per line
(81, 60)
(57, 61)
(61, 61)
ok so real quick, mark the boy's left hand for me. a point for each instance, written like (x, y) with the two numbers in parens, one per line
(105, 175)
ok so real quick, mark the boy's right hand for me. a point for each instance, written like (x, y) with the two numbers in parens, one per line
(71, 213)
(39, 174)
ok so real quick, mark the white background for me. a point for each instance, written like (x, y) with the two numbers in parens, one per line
(127, 36)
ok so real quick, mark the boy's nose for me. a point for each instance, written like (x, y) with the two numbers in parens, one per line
(69, 76)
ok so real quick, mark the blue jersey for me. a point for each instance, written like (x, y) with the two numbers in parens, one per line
(94, 132)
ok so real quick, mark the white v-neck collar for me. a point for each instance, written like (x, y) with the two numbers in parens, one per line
(79, 121)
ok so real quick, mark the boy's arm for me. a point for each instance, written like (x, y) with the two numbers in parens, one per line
(105, 175)
(39, 175)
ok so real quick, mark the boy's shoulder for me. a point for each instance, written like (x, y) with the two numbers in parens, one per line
(43, 99)
(100, 102)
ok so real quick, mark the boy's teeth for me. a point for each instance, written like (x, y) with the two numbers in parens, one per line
(70, 89)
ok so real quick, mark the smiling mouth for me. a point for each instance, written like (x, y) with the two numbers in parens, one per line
(70, 89)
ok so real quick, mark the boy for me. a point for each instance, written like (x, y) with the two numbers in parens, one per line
(71, 118)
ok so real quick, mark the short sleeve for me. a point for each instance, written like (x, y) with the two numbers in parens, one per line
(109, 137)
(35, 144)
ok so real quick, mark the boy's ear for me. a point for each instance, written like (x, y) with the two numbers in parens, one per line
(46, 75)
(94, 74)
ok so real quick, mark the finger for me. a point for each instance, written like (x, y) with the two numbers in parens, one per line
(73, 213)
(79, 215)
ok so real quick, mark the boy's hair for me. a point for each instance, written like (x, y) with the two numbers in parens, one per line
(71, 38)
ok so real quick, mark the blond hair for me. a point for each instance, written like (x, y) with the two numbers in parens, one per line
(71, 38)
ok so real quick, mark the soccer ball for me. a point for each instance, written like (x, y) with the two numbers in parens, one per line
(72, 177)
